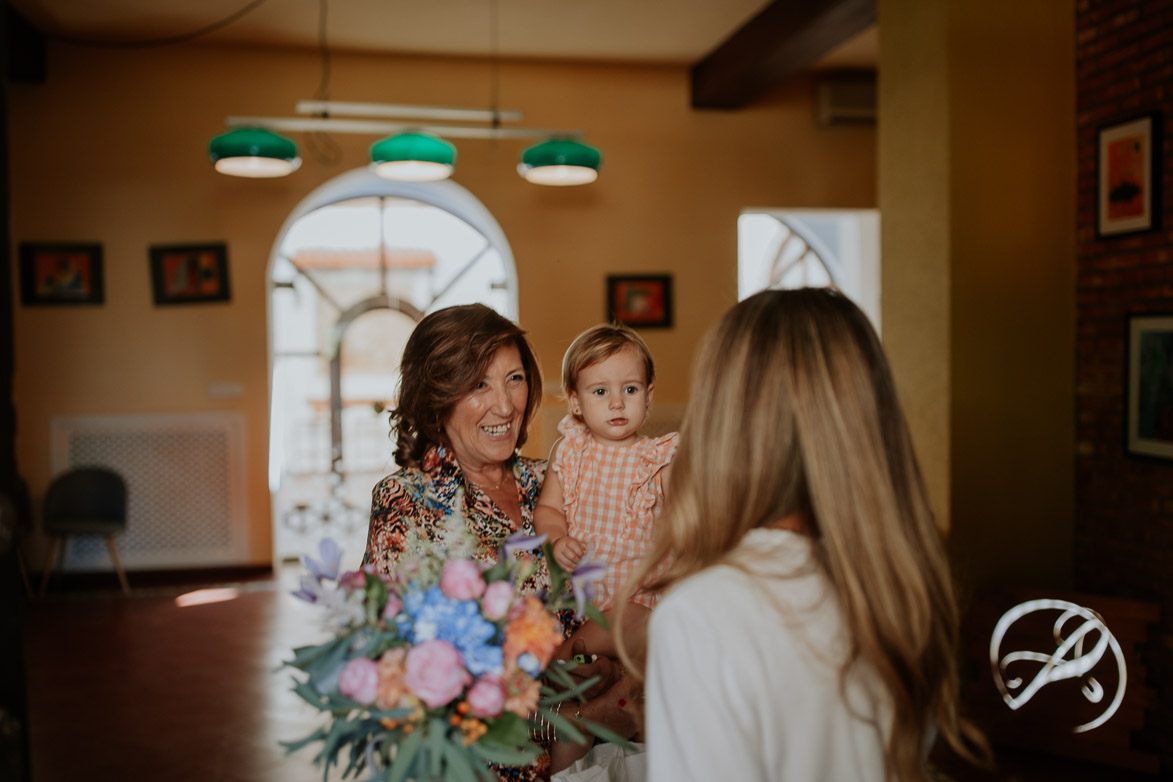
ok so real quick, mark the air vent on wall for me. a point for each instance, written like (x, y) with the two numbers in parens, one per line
(846, 97)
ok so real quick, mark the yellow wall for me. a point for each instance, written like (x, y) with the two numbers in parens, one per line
(113, 149)
(977, 192)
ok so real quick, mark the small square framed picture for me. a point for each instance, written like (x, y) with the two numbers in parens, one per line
(189, 274)
(1128, 165)
(640, 300)
(60, 273)
(1150, 386)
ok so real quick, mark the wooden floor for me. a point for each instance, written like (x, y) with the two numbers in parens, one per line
(139, 688)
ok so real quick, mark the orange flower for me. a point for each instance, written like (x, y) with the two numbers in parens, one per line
(472, 729)
(521, 692)
(531, 629)
(391, 668)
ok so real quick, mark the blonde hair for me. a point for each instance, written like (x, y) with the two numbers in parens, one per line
(598, 343)
(794, 411)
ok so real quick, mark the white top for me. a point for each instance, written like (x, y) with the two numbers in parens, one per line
(743, 676)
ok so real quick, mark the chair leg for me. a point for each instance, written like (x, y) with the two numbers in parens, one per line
(48, 568)
(118, 565)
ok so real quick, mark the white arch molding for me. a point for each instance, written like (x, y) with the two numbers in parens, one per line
(359, 183)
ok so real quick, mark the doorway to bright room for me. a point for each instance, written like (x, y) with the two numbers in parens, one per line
(794, 248)
(356, 266)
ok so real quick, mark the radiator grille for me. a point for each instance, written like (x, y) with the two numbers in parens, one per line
(184, 481)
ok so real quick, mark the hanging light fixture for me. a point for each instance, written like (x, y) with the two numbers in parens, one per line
(413, 157)
(254, 153)
(560, 162)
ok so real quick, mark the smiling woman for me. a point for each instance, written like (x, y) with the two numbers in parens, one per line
(469, 388)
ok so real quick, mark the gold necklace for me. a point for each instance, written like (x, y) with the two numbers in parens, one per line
(491, 487)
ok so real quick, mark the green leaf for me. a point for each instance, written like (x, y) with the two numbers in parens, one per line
(606, 734)
(376, 599)
(557, 574)
(437, 738)
(595, 615)
(564, 728)
(508, 730)
(294, 746)
(405, 757)
(505, 756)
(459, 767)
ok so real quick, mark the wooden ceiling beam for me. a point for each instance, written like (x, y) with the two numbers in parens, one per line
(786, 37)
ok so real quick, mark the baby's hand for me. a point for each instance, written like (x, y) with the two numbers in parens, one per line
(568, 551)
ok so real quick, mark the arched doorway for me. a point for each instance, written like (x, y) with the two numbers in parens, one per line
(357, 264)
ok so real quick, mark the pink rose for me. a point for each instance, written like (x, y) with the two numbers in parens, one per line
(486, 698)
(462, 580)
(497, 600)
(353, 580)
(394, 606)
(359, 680)
(435, 673)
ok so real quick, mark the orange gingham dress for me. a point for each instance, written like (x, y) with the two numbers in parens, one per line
(611, 496)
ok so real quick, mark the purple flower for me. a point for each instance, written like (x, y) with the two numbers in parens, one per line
(582, 580)
(520, 541)
(308, 591)
(330, 563)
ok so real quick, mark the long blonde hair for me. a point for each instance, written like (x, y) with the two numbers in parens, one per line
(794, 411)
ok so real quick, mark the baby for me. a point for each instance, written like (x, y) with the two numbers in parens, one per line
(606, 481)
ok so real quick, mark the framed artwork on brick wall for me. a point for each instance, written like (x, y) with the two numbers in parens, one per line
(1128, 176)
(1150, 386)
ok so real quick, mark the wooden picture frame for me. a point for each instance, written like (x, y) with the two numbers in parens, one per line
(1149, 418)
(189, 274)
(61, 273)
(640, 300)
(1128, 176)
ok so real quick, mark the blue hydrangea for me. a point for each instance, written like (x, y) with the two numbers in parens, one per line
(432, 615)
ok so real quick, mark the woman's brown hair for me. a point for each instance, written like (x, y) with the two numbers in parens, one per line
(794, 411)
(445, 358)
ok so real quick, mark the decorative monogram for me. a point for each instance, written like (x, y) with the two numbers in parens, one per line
(1081, 641)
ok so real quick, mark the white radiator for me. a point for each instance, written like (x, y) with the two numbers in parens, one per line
(185, 484)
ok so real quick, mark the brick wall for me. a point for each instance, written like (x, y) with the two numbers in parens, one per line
(1124, 504)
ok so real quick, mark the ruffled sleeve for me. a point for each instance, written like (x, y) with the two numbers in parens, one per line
(647, 488)
(569, 457)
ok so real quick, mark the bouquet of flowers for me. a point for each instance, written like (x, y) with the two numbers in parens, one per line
(440, 669)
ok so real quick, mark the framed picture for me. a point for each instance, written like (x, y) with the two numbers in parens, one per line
(1150, 386)
(60, 274)
(1128, 165)
(640, 300)
(186, 274)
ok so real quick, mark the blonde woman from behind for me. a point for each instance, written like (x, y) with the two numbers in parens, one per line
(810, 630)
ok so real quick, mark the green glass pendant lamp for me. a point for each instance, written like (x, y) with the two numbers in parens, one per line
(253, 152)
(560, 162)
(413, 157)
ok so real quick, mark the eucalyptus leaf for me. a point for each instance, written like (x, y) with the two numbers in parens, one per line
(595, 615)
(606, 734)
(437, 738)
(458, 767)
(294, 746)
(504, 756)
(508, 730)
(564, 728)
(405, 757)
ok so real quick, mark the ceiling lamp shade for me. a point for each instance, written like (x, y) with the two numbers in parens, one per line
(413, 157)
(560, 162)
(253, 152)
